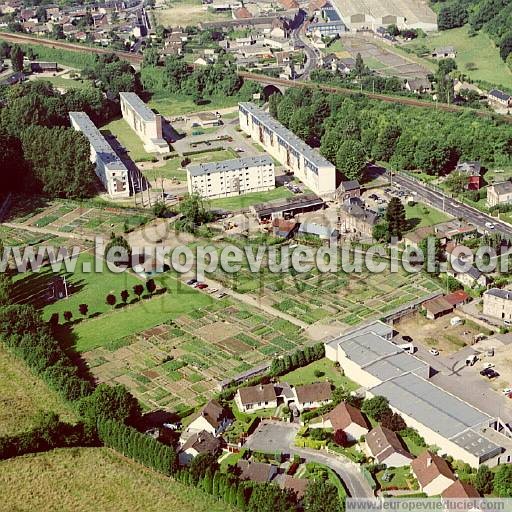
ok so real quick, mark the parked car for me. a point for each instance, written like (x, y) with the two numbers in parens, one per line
(492, 374)
(506, 391)
(201, 286)
(485, 371)
(489, 225)
(192, 282)
(489, 365)
(434, 351)
(406, 338)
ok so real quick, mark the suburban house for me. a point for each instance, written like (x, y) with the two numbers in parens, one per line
(197, 444)
(433, 473)
(256, 471)
(344, 417)
(254, 398)
(348, 189)
(311, 396)
(468, 276)
(498, 303)
(414, 238)
(460, 490)
(454, 229)
(499, 193)
(296, 485)
(358, 219)
(473, 170)
(386, 448)
(447, 52)
(212, 418)
(499, 98)
(418, 85)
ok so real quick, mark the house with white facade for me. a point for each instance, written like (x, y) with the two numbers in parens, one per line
(433, 473)
(254, 398)
(344, 417)
(197, 444)
(212, 418)
(312, 396)
(386, 448)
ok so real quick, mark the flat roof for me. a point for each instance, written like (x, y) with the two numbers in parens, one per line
(103, 149)
(290, 138)
(474, 443)
(138, 105)
(287, 204)
(229, 165)
(430, 405)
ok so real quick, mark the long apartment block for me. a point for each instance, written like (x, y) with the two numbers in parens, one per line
(232, 177)
(144, 122)
(317, 173)
(109, 168)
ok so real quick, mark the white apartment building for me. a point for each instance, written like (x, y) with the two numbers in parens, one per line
(232, 177)
(109, 168)
(498, 303)
(144, 122)
(318, 174)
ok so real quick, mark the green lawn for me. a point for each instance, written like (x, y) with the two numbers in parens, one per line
(244, 201)
(398, 479)
(306, 375)
(66, 83)
(420, 215)
(478, 52)
(414, 449)
(175, 104)
(128, 138)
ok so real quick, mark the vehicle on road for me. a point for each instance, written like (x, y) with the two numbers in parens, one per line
(489, 373)
(434, 351)
(239, 150)
(471, 360)
(489, 225)
(506, 391)
(201, 286)
(192, 282)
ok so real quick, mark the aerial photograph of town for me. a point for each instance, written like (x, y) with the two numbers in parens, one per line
(255, 255)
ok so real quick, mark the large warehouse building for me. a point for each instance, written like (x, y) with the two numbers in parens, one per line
(369, 357)
(109, 168)
(308, 165)
(232, 177)
(371, 14)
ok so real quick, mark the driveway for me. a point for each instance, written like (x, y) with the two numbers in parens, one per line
(272, 436)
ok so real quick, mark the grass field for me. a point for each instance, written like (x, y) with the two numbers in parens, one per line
(22, 395)
(128, 138)
(477, 56)
(244, 201)
(420, 215)
(175, 104)
(91, 480)
(306, 375)
(65, 83)
(186, 12)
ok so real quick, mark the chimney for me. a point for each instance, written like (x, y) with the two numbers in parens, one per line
(429, 461)
(260, 387)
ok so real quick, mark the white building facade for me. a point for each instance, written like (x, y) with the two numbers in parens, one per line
(111, 171)
(318, 174)
(232, 177)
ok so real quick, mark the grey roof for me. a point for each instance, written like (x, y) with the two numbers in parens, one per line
(318, 230)
(138, 105)
(460, 267)
(298, 145)
(501, 294)
(475, 443)
(505, 187)
(430, 405)
(350, 185)
(103, 149)
(445, 49)
(500, 94)
(228, 165)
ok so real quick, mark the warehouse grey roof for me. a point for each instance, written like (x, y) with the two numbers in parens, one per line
(138, 105)
(103, 149)
(430, 405)
(228, 165)
(379, 328)
(474, 443)
(498, 292)
(300, 146)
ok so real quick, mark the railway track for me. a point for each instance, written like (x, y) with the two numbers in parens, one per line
(136, 59)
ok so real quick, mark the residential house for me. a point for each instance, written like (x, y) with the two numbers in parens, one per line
(344, 417)
(197, 444)
(473, 171)
(433, 473)
(289, 4)
(297, 486)
(436, 308)
(418, 85)
(41, 67)
(280, 28)
(256, 471)
(282, 58)
(386, 448)
(415, 237)
(461, 88)
(498, 303)
(499, 193)
(467, 274)
(454, 230)
(499, 98)
(283, 228)
(346, 65)
(242, 13)
(460, 490)
(327, 234)
(359, 220)
(212, 418)
(447, 52)
(349, 189)
(311, 396)
(254, 398)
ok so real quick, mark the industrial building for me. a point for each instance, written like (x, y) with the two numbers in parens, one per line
(369, 357)
(109, 168)
(232, 177)
(318, 174)
(144, 122)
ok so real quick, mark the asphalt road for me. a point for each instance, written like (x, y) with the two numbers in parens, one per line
(310, 51)
(452, 206)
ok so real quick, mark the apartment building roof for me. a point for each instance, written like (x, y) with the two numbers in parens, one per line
(229, 165)
(138, 105)
(498, 292)
(286, 135)
(103, 149)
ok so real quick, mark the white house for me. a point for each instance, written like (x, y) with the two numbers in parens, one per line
(433, 473)
(386, 448)
(344, 417)
(199, 443)
(254, 398)
(311, 396)
(212, 418)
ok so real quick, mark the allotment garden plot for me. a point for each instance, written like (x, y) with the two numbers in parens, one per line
(179, 363)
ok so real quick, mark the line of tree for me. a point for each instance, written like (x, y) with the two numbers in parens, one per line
(297, 359)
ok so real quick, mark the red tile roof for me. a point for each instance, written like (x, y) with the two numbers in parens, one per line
(428, 466)
(344, 415)
(460, 490)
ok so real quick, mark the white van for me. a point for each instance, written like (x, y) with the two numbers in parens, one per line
(408, 347)
(471, 360)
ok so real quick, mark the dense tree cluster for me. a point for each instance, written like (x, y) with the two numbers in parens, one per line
(297, 359)
(406, 137)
